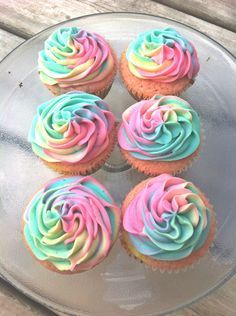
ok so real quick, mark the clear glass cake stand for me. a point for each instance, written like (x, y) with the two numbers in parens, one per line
(120, 285)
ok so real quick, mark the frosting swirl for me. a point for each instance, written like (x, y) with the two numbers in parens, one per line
(162, 55)
(72, 223)
(72, 127)
(167, 219)
(161, 129)
(74, 57)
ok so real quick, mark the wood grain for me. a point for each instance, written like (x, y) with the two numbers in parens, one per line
(14, 303)
(220, 303)
(219, 12)
(8, 42)
(27, 17)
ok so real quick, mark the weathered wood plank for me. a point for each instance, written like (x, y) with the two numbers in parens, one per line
(14, 303)
(8, 42)
(221, 302)
(26, 18)
(219, 12)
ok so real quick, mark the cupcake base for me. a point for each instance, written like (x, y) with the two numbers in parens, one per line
(142, 89)
(87, 167)
(166, 265)
(100, 88)
(154, 168)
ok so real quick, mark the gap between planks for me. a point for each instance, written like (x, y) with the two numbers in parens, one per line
(218, 12)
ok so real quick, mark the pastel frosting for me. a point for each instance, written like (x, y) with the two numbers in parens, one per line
(168, 219)
(71, 128)
(71, 223)
(161, 129)
(74, 57)
(162, 55)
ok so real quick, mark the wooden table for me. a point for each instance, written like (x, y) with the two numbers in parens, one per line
(21, 19)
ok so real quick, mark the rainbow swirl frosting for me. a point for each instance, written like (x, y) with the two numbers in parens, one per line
(74, 57)
(161, 129)
(71, 223)
(162, 55)
(71, 128)
(168, 219)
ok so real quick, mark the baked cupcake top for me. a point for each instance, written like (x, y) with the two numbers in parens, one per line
(161, 129)
(71, 223)
(74, 57)
(73, 127)
(162, 55)
(167, 219)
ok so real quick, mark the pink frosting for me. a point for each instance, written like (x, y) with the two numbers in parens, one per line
(163, 194)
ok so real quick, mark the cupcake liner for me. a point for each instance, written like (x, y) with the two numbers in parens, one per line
(101, 93)
(89, 169)
(168, 270)
(166, 266)
(148, 167)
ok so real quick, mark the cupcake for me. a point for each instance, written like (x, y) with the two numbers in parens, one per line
(161, 135)
(74, 59)
(73, 133)
(159, 61)
(167, 223)
(70, 224)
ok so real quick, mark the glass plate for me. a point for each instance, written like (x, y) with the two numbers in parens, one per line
(120, 285)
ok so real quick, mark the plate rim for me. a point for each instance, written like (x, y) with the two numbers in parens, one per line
(71, 312)
(43, 300)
